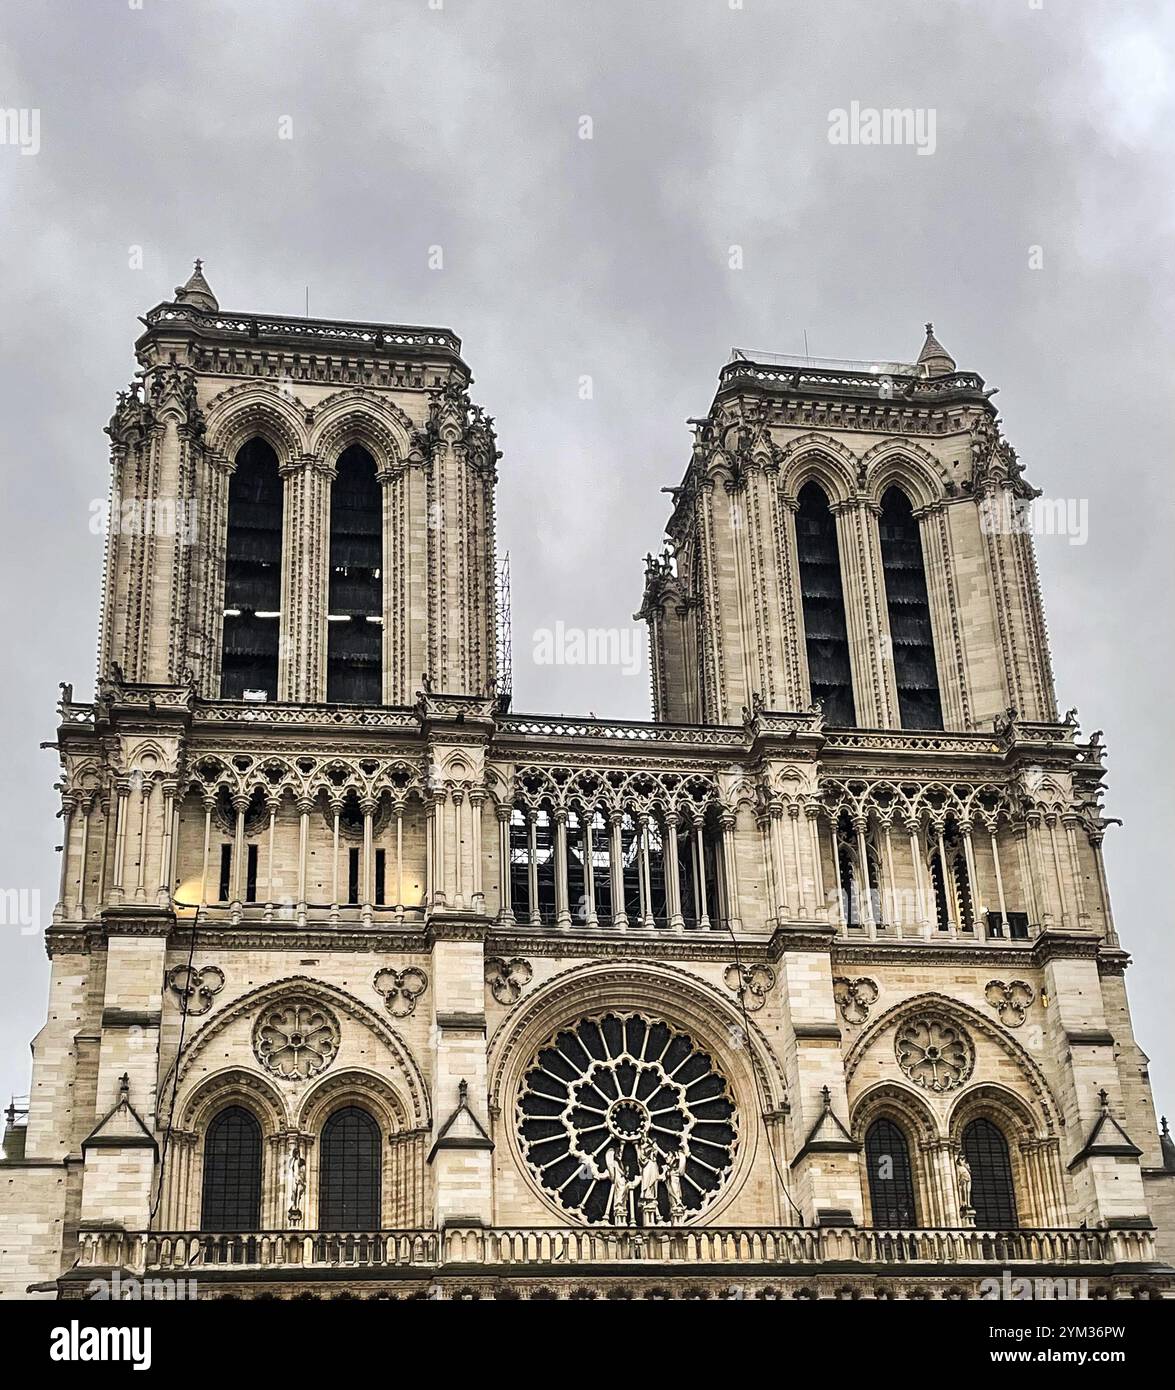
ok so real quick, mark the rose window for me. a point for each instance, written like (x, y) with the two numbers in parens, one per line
(624, 1120)
(933, 1053)
(296, 1040)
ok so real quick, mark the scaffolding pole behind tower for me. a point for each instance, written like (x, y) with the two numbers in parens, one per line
(505, 674)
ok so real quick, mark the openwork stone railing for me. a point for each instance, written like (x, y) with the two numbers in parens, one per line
(554, 1247)
(550, 726)
(359, 334)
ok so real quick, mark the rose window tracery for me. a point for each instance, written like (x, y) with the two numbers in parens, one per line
(624, 1119)
(934, 1053)
(296, 1039)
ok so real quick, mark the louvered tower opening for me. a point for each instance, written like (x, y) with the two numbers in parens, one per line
(826, 637)
(252, 575)
(355, 601)
(919, 703)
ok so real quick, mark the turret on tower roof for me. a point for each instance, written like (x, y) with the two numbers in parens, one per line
(197, 291)
(934, 357)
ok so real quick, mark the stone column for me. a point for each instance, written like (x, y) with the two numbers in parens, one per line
(305, 806)
(79, 907)
(368, 806)
(562, 907)
(506, 910)
(672, 880)
(866, 616)
(68, 806)
(616, 868)
(305, 569)
(122, 788)
(166, 845)
(589, 868)
(532, 865)
(477, 892)
(728, 821)
(145, 784)
(236, 892)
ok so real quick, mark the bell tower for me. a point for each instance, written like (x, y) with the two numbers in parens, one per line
(851, 533)
(241, 557)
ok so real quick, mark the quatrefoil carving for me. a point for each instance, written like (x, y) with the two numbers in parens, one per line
(750, 983)
(400, 989)
(195, 989)
(1010, 999)
(855, 997)
(507, 978)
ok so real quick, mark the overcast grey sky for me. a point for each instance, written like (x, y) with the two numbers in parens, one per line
(415, 126)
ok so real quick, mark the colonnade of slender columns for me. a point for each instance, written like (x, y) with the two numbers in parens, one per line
(614, 853)
(901, 898)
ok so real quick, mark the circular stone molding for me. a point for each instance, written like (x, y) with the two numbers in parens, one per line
(934, 1053)
(296, 1039)
(623, 1119)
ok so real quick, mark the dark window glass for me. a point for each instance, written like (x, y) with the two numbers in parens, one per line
(914, 668)
(826, 637)
(891, 1183)
(992, 1193)
(348, 1196)
(251, 875)
(355, 600)
(545, 859)
(381, 860)
(226, 871)
(519, 867)
(232, 1172)
(252, 574)
(353, 876)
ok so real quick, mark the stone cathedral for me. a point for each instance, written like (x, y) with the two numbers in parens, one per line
(365, 984)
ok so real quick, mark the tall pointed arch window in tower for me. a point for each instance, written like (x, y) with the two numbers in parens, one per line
(993, 1193)
(252, 576)
(891, 1183)
(826, 638)
(349, 1175)
(915, 673)
(231, 1197)
(354, 641)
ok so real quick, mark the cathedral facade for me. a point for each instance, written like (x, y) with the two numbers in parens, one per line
(364, 983)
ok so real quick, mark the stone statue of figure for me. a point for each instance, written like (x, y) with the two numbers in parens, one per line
(674, 1169)
(649, 1157)
(618, 1203)
(963, 1174)
(297, 1183)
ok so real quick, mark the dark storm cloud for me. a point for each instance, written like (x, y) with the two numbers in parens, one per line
(608, 258)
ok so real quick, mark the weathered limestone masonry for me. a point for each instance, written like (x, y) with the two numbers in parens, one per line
(809, 987)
